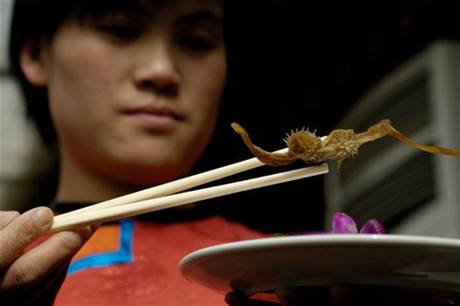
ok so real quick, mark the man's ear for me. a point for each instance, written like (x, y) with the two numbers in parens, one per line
(33, 66)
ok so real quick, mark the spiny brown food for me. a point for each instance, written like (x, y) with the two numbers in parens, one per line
(339, 145)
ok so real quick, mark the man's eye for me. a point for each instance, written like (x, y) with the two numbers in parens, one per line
(120, 31)
(197, 43)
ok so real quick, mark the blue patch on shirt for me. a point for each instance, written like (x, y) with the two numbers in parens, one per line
(124, 254)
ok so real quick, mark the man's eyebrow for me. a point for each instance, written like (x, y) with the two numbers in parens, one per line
(202, 16)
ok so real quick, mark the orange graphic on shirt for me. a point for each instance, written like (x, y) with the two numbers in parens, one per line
(105, 239)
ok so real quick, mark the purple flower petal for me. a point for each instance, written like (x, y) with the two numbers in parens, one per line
(343, 224)
(373, 226)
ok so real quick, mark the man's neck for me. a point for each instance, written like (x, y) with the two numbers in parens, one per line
(79, 184)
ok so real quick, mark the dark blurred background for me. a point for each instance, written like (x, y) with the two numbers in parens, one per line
(321, 56)
(308, 62)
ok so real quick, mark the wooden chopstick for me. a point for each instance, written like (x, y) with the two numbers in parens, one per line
(63, 222)
(175, 186)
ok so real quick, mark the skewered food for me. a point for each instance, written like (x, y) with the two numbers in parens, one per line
(339, 145)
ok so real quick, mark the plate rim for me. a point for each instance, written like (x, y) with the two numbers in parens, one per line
(319, 239)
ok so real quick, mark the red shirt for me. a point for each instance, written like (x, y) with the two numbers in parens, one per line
(136, 263)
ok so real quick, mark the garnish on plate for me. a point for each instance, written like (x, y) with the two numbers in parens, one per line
(344, 224)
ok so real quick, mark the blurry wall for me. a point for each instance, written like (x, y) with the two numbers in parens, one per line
(23, 159)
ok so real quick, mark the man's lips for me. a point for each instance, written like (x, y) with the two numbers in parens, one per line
(153, 110)
(154, 118)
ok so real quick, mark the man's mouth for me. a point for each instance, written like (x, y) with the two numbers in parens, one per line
(155, 119)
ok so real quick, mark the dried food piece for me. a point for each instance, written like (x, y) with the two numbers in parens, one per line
(339, 145)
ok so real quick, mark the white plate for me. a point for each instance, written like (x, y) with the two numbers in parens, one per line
(266, 264)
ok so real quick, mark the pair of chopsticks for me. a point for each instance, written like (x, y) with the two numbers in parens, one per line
(167, 195)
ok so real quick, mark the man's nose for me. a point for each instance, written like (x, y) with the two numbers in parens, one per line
(157, 71)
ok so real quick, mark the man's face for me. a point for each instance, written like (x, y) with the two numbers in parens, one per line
(136, 97)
